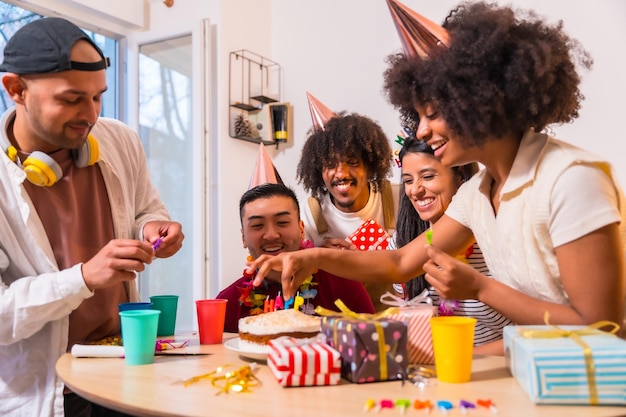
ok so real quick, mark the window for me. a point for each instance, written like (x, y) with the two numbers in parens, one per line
(165, 128)
(12, 18)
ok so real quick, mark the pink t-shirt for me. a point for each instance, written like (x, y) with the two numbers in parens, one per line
(76, 215)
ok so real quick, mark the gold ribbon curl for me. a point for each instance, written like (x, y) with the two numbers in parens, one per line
(575, 335)
(238, 380)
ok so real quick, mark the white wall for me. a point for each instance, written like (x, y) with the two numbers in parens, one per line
(244, 24)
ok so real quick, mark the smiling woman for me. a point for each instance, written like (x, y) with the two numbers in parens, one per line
(429, 187)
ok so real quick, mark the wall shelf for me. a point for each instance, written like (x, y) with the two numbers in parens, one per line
(264, 99)
(245, 107)
(254, 82)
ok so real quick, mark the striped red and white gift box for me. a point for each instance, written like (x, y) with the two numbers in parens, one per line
(303, 362)
(419, 336)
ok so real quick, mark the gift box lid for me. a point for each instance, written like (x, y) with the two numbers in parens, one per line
(601, 343)
(606, 347)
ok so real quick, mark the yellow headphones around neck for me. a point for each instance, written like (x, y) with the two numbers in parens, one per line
(40, 168)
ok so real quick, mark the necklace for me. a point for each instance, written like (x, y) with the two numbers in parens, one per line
(257, 299)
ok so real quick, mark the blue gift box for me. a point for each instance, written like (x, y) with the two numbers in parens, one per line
(553, 370)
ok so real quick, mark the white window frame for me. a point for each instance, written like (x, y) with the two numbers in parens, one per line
(202, 76)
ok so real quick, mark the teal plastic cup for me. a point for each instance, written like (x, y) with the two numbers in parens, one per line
(139, 333)
(168, 306)
(134, 306)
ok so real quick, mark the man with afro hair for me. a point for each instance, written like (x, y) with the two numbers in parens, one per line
(343, 166)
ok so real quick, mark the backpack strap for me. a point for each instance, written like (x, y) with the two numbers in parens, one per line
(389, 212)
(316, 213)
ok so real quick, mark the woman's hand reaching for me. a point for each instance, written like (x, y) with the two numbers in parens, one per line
(295, 267)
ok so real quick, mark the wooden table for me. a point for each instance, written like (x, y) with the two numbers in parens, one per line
(158, 390)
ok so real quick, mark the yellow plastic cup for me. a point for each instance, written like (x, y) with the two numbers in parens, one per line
(453, 345)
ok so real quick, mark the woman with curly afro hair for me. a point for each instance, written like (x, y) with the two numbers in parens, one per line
(548, 216)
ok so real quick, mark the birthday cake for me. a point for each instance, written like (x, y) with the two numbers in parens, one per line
(256, 331)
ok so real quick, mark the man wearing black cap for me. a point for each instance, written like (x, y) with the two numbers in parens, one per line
(78, 215)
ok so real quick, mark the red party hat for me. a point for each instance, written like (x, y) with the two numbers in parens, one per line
(319, 112)
(419, 36)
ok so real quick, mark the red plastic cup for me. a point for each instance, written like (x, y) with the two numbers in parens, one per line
(211, 315)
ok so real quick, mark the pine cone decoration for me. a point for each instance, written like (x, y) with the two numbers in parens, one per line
(242, 126)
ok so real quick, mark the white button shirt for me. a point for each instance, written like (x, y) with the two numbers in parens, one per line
(35, 297)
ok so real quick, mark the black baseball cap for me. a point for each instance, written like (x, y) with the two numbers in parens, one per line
(44, 46)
